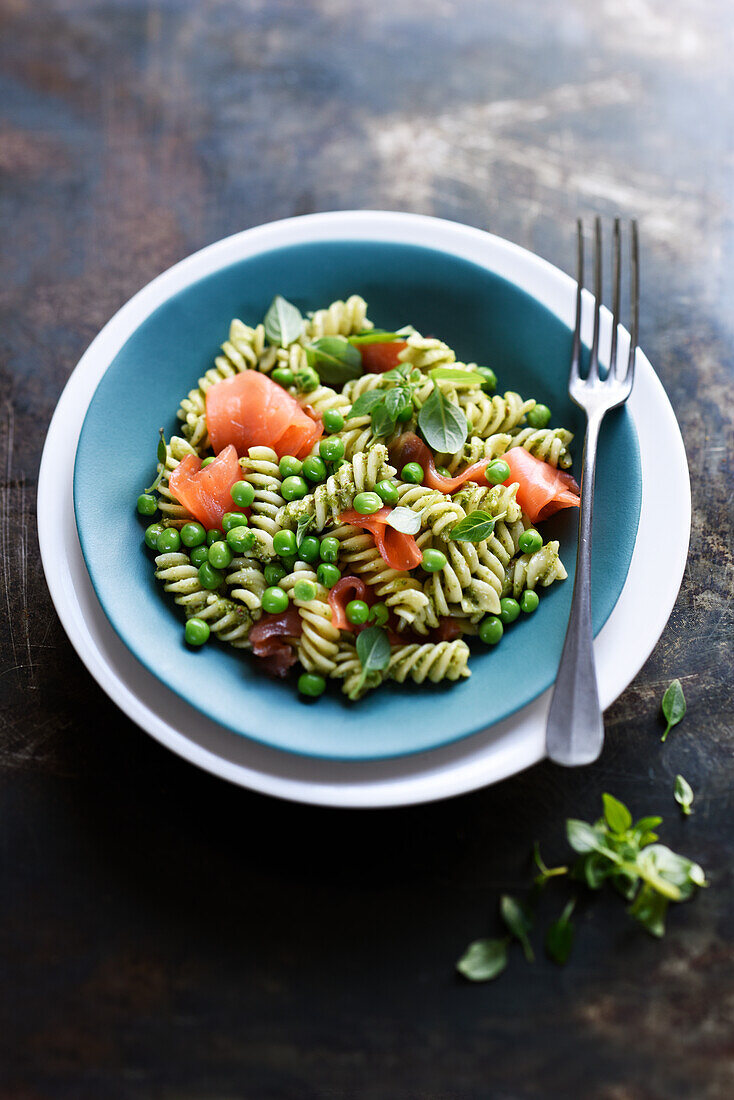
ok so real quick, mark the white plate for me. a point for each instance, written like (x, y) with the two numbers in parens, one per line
(621, 648)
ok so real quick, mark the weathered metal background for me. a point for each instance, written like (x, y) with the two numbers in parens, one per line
(167, 937)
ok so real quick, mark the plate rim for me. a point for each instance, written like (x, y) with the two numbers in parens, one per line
(554, 289)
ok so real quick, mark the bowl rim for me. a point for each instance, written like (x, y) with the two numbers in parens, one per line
(532, 274)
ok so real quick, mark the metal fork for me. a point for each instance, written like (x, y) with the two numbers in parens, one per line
(575, 730)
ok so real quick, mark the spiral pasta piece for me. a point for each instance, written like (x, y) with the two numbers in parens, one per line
(550, 444)
(347, 667)
(227, 620)
(497, 500)
(433, 661)
(490, 415)
(401, 592)
(426, 353)
(246, 582)
(261, 470)
(530, 570)
(326, 503)
(339, 319)
(438, 512)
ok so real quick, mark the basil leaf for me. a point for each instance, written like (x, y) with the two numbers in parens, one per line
(483, 960)
(476, 527)
(382, 422)
(594, 870)
(302, 527)
(559, 937)
(616, 814)
(373, 649)
(649, 908)
(375, 336)
(283, 322)
(517, 922)
(397, 374)
(334, 359)
(465, 377)
(674, 706)
(443, 424)
(395, 399)
(405, 520)
(379, 614)
(683, 792)
(161, 455)
(365, 403)
(670, 874)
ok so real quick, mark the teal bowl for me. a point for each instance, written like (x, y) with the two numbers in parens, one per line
(487, 319)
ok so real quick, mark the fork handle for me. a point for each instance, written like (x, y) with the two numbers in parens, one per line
(575, 728)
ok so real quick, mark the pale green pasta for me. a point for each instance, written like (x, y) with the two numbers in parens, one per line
(311, 577)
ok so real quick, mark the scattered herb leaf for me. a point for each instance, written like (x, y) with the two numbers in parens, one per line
(365, 403)
(443, 424)
(476, 527)
(673, 706)
(334, 359)
(373, 650)
(304, 523)
(161, 455)
(545, 872)
(450, 374)
(483, 960)
(616, 814)
(283, 322)
(375, 336)
(405, 520)
(559, 937)
(683, 794)
(518, 923)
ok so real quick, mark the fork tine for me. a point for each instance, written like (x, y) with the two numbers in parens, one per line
(576, 349)
(594, 357)
(634, 302)
(614, 370)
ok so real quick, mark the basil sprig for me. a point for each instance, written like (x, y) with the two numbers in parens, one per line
(161, 455)
(373, 650)
(613, 849)
(673, 706)
(334, 360)
(476, 527)
(283, 322)
(384, 405)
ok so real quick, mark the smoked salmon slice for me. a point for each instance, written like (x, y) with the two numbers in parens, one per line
(398, 550)
(542, 490)
(204, 491)
(250, 410)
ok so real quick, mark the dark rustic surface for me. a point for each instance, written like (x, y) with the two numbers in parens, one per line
(165, 936)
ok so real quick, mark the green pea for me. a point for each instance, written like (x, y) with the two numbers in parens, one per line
(304, 591)
(147, 504)
(193, 534)
(443, 471)
(358, 612)
(274, 573)
(491, 630)
(169, 541)
(233, 519)
(209, 577)
(433, 561)
(497, 472)
(367, 503)
(387, 491)
(329, 549)
(151, 535)
(283, 376)
(530, 541)
(290, 466)
(240, 539)
(379, 614)
(294, 488)
(310, 683)
(215, 535)
(307, 379)
(314, 468)
(328, 575)
(405, 413)
(331, 450)
(333, 420)
(489, 384)
(198, 555)
(220, 555)
(309, 549)
(289, 561)
(413, 472)
(284, 543)
(529, 601)
(207, 461)
(539, 416)
(242, 494)
(509, 610)
(196, 632)
(274, 600)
